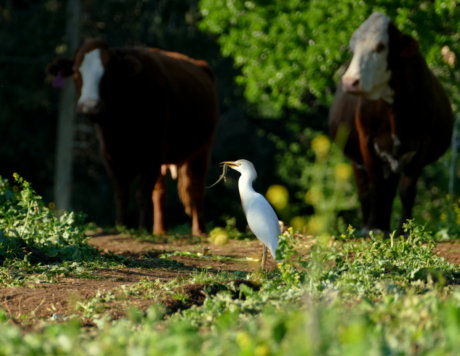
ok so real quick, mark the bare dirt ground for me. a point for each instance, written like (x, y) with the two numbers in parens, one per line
(34, 303)
(449, 250)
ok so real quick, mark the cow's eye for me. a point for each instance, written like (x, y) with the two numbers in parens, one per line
(380, 47)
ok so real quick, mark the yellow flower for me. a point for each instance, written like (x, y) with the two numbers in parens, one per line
(443, 216)
(313, 196)
(278, 196)
(262, 350)
(218, 236)
(317, 224)
(298, 223)
(342, 171)
(457, 211)
(243, 339)
(321, 145)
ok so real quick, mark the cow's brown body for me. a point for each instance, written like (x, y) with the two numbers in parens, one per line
(155, 108)
(391, 142)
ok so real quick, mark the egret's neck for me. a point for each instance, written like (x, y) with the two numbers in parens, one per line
(245, 185)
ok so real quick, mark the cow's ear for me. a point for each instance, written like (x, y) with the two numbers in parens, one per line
(60, 66)
(131, 65)
(408, 46)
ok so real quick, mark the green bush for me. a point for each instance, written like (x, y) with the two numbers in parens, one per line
(29, 229)
(290, 54)
(289, 51)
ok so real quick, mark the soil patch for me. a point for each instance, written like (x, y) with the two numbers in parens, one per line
(68, 297)
(36, 302)
(449, 250)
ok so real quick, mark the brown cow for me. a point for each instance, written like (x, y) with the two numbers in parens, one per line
(151, 108)
(396, 114)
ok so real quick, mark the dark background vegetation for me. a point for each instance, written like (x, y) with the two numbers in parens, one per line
(32, 33)
(269, 124)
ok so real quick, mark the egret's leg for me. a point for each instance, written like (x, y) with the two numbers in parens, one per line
(264, 257)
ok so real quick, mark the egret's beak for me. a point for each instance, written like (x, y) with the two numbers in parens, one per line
(229, 163)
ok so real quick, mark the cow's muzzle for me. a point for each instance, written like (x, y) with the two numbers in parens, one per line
(352, 85)
(88, 106)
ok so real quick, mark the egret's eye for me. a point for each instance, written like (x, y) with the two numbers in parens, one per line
(380, 47)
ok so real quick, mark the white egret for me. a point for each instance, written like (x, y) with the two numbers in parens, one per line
(261, 217)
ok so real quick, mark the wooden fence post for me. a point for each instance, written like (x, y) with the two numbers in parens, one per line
(66, 120)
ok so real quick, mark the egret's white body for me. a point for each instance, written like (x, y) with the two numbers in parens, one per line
(261, 217)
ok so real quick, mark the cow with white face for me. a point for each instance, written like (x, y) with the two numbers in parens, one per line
(154, 110)
(368, 73)
(396, 115)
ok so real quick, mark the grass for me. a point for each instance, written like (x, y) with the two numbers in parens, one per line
(339, 296)
(355, 297)
(199, 255)
(351, 298)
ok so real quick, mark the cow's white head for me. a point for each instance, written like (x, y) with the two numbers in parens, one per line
(368, 73)
(91, 70)
(87, 68)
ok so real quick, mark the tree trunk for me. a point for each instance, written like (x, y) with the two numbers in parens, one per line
(65, 130)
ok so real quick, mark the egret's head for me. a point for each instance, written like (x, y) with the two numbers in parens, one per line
(243, 166)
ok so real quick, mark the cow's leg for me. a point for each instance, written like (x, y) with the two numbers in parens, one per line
(158, 198)
(191, 184)
(407, 193)
(367, 178)
(144, 198)
(121, 195)
(382, 203)
(362, 184)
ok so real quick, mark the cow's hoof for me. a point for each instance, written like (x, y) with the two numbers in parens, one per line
(159, 232)
(199, 233)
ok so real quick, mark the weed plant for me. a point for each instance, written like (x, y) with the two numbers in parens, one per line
(30, 230)
(346, 296)
(35, 243)
(349, 297)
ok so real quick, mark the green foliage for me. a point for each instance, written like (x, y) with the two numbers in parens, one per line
(29, 229)
(25, 98)
(439, 210)
(290, 54)
(29, 104)
(288, 50)
(287, 54)
(348, 297)
(325, 198)
(331, 190)
(356, 297)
